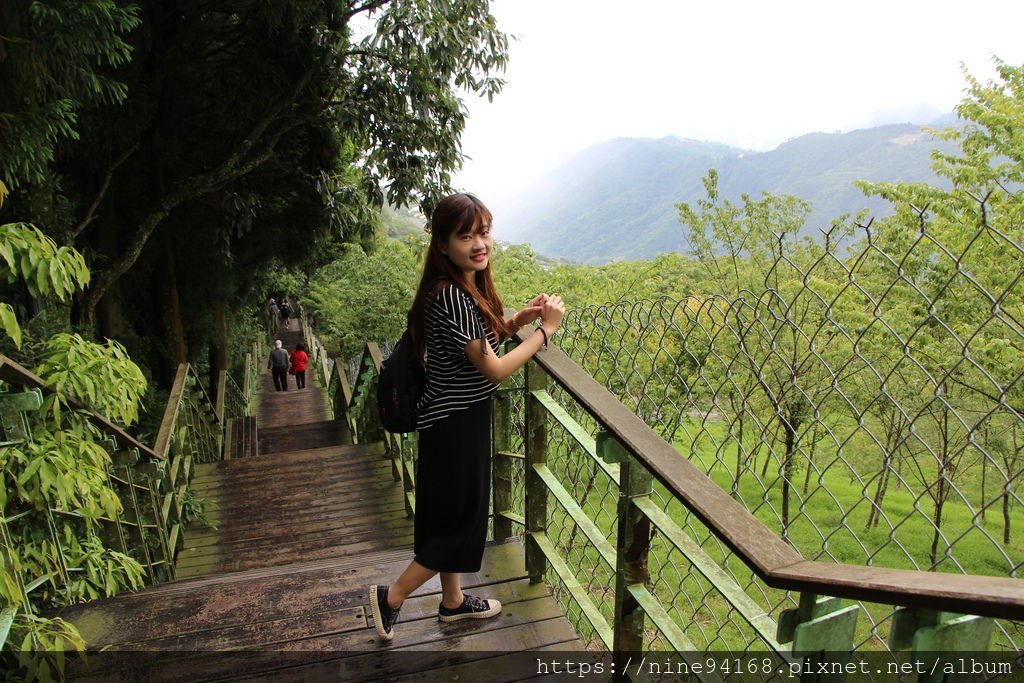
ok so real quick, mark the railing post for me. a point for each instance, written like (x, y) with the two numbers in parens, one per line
(938, 636)
(13, 408)
(406, 444)
(342, 399)
(536, 454)
(633, 545)
(501, 465)
(821, 629)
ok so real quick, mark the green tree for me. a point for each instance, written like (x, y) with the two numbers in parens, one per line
(781, 298)
(361, 297)
(955, 246)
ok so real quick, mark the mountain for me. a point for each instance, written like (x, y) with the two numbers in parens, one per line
(616, 200)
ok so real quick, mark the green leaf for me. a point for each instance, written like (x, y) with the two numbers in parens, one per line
(10, 323)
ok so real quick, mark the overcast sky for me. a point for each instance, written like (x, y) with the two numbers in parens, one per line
(752, 74)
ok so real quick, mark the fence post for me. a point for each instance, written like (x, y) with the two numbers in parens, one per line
(501, 473)
(406, 444)
(633, 544)
(342, 402)
(536, 454)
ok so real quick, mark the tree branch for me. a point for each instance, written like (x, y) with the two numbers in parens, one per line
(366, 7)
(90, 214)
(233, 167)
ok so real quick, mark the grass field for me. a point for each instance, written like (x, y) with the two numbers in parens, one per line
(828, 523)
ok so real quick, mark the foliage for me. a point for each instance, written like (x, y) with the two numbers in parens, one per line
(54, 57)
(56, 496)
(54, 636)
(99, 375)
(45, 269)
(362, 297)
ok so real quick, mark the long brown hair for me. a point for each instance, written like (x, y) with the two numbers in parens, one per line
(459, 213)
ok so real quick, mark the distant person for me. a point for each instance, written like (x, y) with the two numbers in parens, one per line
(278, 364)
(272, 305)
(300, 359)
(286, 313)
(457, 322)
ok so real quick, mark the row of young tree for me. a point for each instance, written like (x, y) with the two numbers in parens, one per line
(883, 358)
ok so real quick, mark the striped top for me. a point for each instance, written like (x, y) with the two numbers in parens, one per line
(451, 321)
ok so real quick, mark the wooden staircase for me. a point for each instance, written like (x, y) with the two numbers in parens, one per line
(277, 591)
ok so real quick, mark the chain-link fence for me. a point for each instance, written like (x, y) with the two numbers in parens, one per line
(865, 403)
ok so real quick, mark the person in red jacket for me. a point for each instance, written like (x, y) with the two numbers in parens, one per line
(299, 362)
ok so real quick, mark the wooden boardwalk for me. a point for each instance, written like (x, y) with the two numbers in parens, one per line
(278, 590)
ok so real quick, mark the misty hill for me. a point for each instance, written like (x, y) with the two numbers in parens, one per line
(616, 200)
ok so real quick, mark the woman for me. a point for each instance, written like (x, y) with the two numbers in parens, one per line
(457, 324)
(299, 360)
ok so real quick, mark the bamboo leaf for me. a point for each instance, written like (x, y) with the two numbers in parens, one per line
(10, 323)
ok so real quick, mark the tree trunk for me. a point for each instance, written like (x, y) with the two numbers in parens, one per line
(815, 436)
(219, 348)
(740, 459)
(940, 500)
(790, 425)
(875, 513)
(175, 325)
(110, 315)
(1006, 512)
(984, 472)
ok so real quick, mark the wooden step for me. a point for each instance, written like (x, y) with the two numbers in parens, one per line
(311, 621)
(277, 509)
(242, 438)
(299, 436)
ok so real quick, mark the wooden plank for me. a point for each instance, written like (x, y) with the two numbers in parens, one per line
(298, 543)
(500, 655)
(990, 596)
(330, 650)
(288, 491)
(286, 556)
(198, 536)
(163, 436)
(510, 665)
(312, 515)
(259, 465)
(285, 479)
(194, 605)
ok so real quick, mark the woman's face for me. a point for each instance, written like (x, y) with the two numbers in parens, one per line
(471, 251)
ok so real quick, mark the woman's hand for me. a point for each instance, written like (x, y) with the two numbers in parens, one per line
(551, 314)
(530, 313)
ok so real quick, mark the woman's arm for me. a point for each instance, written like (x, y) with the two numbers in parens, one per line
(499, 368)
(528, 314)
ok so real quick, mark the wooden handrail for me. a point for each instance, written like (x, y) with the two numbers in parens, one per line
(163, 435)
(775, 562)
(13, 373)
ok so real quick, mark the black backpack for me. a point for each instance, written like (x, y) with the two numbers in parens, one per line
(399, 386)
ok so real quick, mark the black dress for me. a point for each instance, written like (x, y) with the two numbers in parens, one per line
(453, 473)
(453, 486)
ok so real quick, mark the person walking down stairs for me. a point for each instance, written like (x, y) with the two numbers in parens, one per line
(300, 359)
(278, 363)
